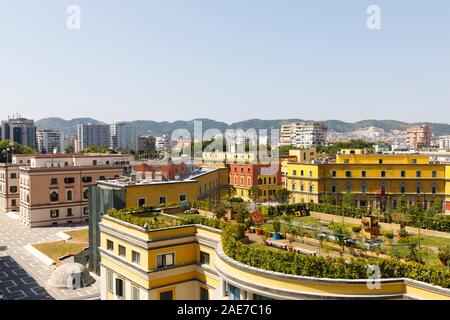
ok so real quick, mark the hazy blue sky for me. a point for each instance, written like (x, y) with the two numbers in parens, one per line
(226, 59)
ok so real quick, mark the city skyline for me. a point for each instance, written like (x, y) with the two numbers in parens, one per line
(226, 61)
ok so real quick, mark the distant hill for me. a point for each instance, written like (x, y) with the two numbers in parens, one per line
(67, 126)
(165, 127)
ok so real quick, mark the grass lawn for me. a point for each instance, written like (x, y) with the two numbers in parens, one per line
(57, 249)
(433, 241)
(79, 235)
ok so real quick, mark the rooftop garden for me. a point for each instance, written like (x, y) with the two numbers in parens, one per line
(403, 255)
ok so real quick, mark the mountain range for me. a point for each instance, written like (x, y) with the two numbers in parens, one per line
(157, 128)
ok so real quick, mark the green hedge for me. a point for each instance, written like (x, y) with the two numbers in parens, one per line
(321, 267)
(430, 222)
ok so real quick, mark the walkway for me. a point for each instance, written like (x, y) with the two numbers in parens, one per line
(22, 276)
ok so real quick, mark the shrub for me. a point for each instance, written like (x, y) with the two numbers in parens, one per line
(402, 233)
(444, 254)
(276, 226)
(389, 235)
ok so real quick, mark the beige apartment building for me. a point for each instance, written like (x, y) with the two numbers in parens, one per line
(9, 184)
(418, 137)
(52, 189)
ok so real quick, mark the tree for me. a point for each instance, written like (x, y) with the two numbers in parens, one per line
(341, 233)
(348, 200)
(255, 193)
(242, 213)
(95, 149)
(231, 191)
(70, 149)
(283, 195)
(219, 211)
(7, 150)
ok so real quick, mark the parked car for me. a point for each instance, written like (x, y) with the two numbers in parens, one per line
(191, 211)
(350, 242)
(370, 245)
(322, 235)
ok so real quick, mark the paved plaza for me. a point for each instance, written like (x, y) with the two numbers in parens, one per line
(23, 276)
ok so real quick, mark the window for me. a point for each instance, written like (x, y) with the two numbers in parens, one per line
(162, 200)
(383, 173)
(204, 294)
(403, 174)
(141, 202)
(109, 281)
(294, 172)
(119, 288)
(260, 297)
(402, 188)
(13, 189)
(69, 195)
(53, 181)
(94, 162)
(204, 258)
(235, 293)
(418, 189)
(135, 257)
(69, 180)
(13, 176)
(418, 174)
(380, 161)
(69, 212)
(249, 181)
(122, 251)
(165, 260)
(85, 210)
(86, 179)
(54, 213)
(302, 173)
(346, 161)
(348, 174)
(434, 174)
(86, 194)
(54, 196)
(363, 188)
(13, 202)
(109, 245)
(333, 189)
(134, 293)
(166, 295)
(311, 188)
(414, 161)
(333, 173)
(363, 173)
(433, 189)
(183, 197)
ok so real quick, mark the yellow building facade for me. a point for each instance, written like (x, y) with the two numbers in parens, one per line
(188, 263)
(376, 180)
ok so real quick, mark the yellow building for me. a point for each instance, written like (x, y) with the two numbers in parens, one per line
(377, 180)
(187, 262)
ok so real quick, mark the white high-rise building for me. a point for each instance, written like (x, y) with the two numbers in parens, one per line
(287, 134)
(124, 136)
(92, 134)
(444, 143)
(50, 141)
(309, 134)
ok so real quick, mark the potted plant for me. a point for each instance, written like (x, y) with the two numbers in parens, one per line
(276, 228)
(444, 255)
(356, 228)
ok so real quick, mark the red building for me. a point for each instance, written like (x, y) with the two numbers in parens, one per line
(245, 176)
(164, 170)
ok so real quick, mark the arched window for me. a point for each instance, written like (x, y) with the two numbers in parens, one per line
(54, 196)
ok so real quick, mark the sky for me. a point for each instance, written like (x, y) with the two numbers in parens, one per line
(228, 60)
